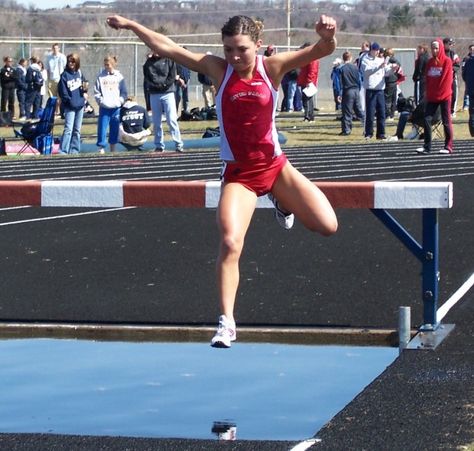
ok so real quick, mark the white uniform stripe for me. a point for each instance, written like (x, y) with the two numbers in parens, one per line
(78, 193)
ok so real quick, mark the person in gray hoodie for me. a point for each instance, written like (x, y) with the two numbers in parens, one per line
(110, 93)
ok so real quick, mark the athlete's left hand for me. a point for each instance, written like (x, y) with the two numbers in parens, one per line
(326, 27)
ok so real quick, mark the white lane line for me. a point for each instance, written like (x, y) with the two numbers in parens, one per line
(305, 444)
(15, 208)
(51, 218)
(463, 289)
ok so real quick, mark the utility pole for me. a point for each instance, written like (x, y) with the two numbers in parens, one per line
(288, 24)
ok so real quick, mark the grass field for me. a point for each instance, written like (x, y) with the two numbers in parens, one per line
(324, 131)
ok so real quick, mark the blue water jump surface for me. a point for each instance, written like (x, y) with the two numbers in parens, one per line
(179, 390)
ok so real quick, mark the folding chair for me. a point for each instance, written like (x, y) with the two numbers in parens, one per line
(418, 122)
(38, 136)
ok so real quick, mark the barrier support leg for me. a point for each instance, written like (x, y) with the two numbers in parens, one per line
(427, 254)
(430, 268)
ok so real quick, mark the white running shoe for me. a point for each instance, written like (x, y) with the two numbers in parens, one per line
(422, 150)
(284, 218)
(225, 333)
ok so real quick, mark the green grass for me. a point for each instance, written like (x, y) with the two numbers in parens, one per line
(324, 131)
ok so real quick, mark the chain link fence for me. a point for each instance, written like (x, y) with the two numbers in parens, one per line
(132, 55)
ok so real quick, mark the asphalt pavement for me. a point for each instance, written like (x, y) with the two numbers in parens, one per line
(87, 265)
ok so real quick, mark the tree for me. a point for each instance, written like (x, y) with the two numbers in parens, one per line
(400, 17)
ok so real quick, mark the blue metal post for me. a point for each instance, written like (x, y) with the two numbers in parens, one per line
(426, 253)
(430, 268)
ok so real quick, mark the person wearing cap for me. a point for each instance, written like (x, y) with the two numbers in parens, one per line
(439, 82)
(374, 70)
(454, 57)
(468, 77)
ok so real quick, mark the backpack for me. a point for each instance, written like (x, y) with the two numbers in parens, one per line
(35, 78)
(211, 132)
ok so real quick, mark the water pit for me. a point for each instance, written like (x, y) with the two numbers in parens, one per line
(253, 391)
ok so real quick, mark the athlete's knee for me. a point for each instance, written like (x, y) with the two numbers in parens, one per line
(327, 227)
(231, 246)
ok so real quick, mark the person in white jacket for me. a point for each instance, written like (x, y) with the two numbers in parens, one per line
(374, 69)
(110, 93)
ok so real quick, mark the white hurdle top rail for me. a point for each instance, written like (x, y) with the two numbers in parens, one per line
(205, 194)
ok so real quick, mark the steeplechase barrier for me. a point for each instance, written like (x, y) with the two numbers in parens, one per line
(377, 196)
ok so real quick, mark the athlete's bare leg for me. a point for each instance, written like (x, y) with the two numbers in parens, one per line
(236, 207)
(305, 200)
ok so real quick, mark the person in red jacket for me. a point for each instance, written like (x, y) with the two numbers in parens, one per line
(438, 91)
(308, 80)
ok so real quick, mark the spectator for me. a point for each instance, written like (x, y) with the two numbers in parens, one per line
(269, 51)
(44, 74)
(364, 52)
(110, 93)
(160, 73)
(307, 80)
(34, 82)
(350, 99)
(392, 79)
(468, 77)
(208, 89)
(146, 90)
(182, 81)
(55, 65)
(21, 86)
(73, 96)
(374, 70)
(8, 81)
(336, 82)
(406, 107)
(134, 125)
(454, 57)
(422, 57)
(291, 90)
(439, 83)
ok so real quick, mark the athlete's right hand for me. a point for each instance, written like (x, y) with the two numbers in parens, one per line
(117, 22)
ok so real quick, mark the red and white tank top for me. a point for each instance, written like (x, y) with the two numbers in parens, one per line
(246, 111)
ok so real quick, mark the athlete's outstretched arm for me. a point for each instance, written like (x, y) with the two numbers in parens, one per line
(164, 46)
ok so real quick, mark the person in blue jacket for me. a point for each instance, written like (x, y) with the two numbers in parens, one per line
(336, 82)
(34, 83)
(72, 90)
(21, 86)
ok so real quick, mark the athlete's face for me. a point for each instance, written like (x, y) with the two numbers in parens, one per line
(240, 51)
